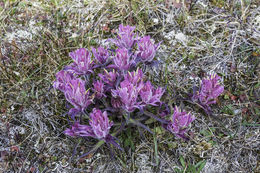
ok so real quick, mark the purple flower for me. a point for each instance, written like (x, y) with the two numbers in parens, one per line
(122, 59)
(82, 62)
(134, 77)
(80, 130)
(126, 29)
(146, 49)
(209, 91)
(77, 95)
(109, 77)
(100, 123)
(62, 78)
(126, 37)
(179, 123)
(128, 94)
(150, 95)
(99, 89)
(99, 126)
(101, 54)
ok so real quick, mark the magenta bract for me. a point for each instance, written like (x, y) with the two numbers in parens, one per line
(128, 94)
(134, 77)
(100, 123)
(150, 95)
(209, 91)
(99, 126)
(99, 89)
(126, 37)
(116, 102)
(62, 78)
(101, 54)
(122, 59)
(80, 130)
(77, 95)
(83, 63)
(179, 123)
(109, 77)
(146, 49)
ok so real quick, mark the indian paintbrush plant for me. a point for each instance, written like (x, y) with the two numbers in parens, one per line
(108, 91)
(208, 92)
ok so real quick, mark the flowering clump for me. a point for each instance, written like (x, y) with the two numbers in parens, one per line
(122, 59)
(99, 126)
(99, 89)
(62, 78)
(209, 91)
(179, 123)
(146, 49)
(101, 55)
(150, 95)
(108, 84)
(128, 94)
(125, 37)
(76, 93)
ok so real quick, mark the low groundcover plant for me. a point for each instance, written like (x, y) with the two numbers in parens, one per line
(108, 91)
(208, 92)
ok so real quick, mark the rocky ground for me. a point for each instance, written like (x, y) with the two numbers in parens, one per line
(198, 37)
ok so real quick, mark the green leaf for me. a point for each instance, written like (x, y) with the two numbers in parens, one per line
(177, 170)
(150, 121)
(206, 133)
(158, 130)
(191, 168)
(228, 109)
(200, 165)
(257, 112)
(156, 150)
(172, 145)
(226, 97)
(257, 85)
(97, 146)
(182, 161)
(134, 6)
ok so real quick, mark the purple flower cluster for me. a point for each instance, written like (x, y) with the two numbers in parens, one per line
(125, 37)
(106, 84)
(179, 123)
(209, 91)
(105, 79)
(83, 64)
(146, 49)
(99, 126)
(101, 54)
(134, 93)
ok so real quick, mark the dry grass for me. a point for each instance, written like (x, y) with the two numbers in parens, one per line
(221, 36)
